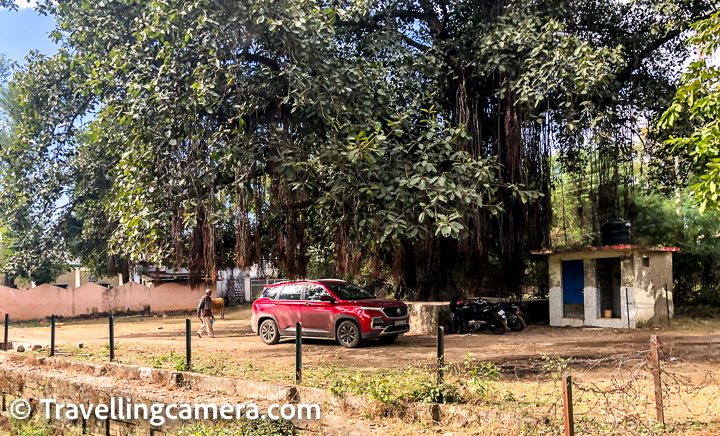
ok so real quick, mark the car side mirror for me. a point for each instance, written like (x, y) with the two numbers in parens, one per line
(327, 298)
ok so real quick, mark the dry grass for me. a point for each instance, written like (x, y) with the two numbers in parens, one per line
(613, 393)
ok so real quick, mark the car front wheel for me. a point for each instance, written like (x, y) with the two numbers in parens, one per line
(348, 334)
(269, 332)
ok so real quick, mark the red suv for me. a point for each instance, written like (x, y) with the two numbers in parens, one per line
(327, 309)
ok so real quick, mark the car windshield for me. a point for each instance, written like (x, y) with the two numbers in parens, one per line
(346, 291)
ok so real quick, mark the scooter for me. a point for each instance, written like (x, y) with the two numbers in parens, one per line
(476, 315)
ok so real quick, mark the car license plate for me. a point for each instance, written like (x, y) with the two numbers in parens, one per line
(403, 322)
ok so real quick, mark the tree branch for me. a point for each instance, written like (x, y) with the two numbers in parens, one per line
(273, 65)
(648, 50)
(253, 57)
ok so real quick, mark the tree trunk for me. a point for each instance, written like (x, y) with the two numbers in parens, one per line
(512, 225)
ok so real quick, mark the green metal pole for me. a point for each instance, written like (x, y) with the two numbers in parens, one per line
(440, 353)
(7, 325)
(188, 344)
(52, 336)
(298, 353)
(112, 338)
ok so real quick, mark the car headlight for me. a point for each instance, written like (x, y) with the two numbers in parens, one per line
(377, 322)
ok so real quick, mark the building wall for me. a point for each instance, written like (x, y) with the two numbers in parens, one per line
(38, 302)
(93, 300)
(176, 296)
(650, 289)
(75, 275)
(590, 290)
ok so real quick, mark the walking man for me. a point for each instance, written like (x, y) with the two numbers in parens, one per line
(204, 312)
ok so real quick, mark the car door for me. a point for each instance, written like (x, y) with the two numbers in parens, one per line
(317, 316)
(288, 307)
(266, 303)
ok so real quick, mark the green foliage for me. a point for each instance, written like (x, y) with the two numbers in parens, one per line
(7, 103)
(255, 427)
(232, 134)
(26, 251)
(471, 384)
(696, 266)
(411, 385)
(481, 376)
(699, 98)
(22, 428)
(9, 4)
(555, 366)
(177, 360)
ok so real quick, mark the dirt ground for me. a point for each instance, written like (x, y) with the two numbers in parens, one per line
(686, 341)
(599, 359)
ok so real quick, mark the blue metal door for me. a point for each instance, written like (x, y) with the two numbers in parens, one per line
(573, 282)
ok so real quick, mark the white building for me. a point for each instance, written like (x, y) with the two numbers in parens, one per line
(616, 286)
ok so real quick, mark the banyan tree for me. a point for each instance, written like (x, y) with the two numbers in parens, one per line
(409, 136)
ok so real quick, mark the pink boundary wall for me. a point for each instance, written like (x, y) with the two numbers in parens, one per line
(93, 300)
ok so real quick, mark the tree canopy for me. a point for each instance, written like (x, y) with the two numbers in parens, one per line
(697, 107)
(412, 136)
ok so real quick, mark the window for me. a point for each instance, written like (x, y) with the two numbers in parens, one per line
(314, 292)
(291, 292)
(346, 291)
(646, 261)
(270, 293)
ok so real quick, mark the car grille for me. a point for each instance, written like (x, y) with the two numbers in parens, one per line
(397, 329)
(395, 312)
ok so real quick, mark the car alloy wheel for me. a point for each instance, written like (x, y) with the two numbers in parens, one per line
(348, 334)
(269, 332)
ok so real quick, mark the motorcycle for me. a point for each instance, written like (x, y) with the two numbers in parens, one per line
(512, 316)
(476, 315)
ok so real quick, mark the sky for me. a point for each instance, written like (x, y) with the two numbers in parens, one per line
(24, 30)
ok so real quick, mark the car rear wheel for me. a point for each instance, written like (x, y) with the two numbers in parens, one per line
(348, 334)
(269, 332)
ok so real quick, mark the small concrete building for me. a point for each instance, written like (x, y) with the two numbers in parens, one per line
(617, 286)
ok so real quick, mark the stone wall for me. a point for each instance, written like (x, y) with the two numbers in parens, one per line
(48, 378)
(67, 381)
(33, 386)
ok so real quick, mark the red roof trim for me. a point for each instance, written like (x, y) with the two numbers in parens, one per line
(606, 248)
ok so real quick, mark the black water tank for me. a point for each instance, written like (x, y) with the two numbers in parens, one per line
(615, 232)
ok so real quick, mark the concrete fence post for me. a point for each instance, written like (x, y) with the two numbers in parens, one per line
(655, 360)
